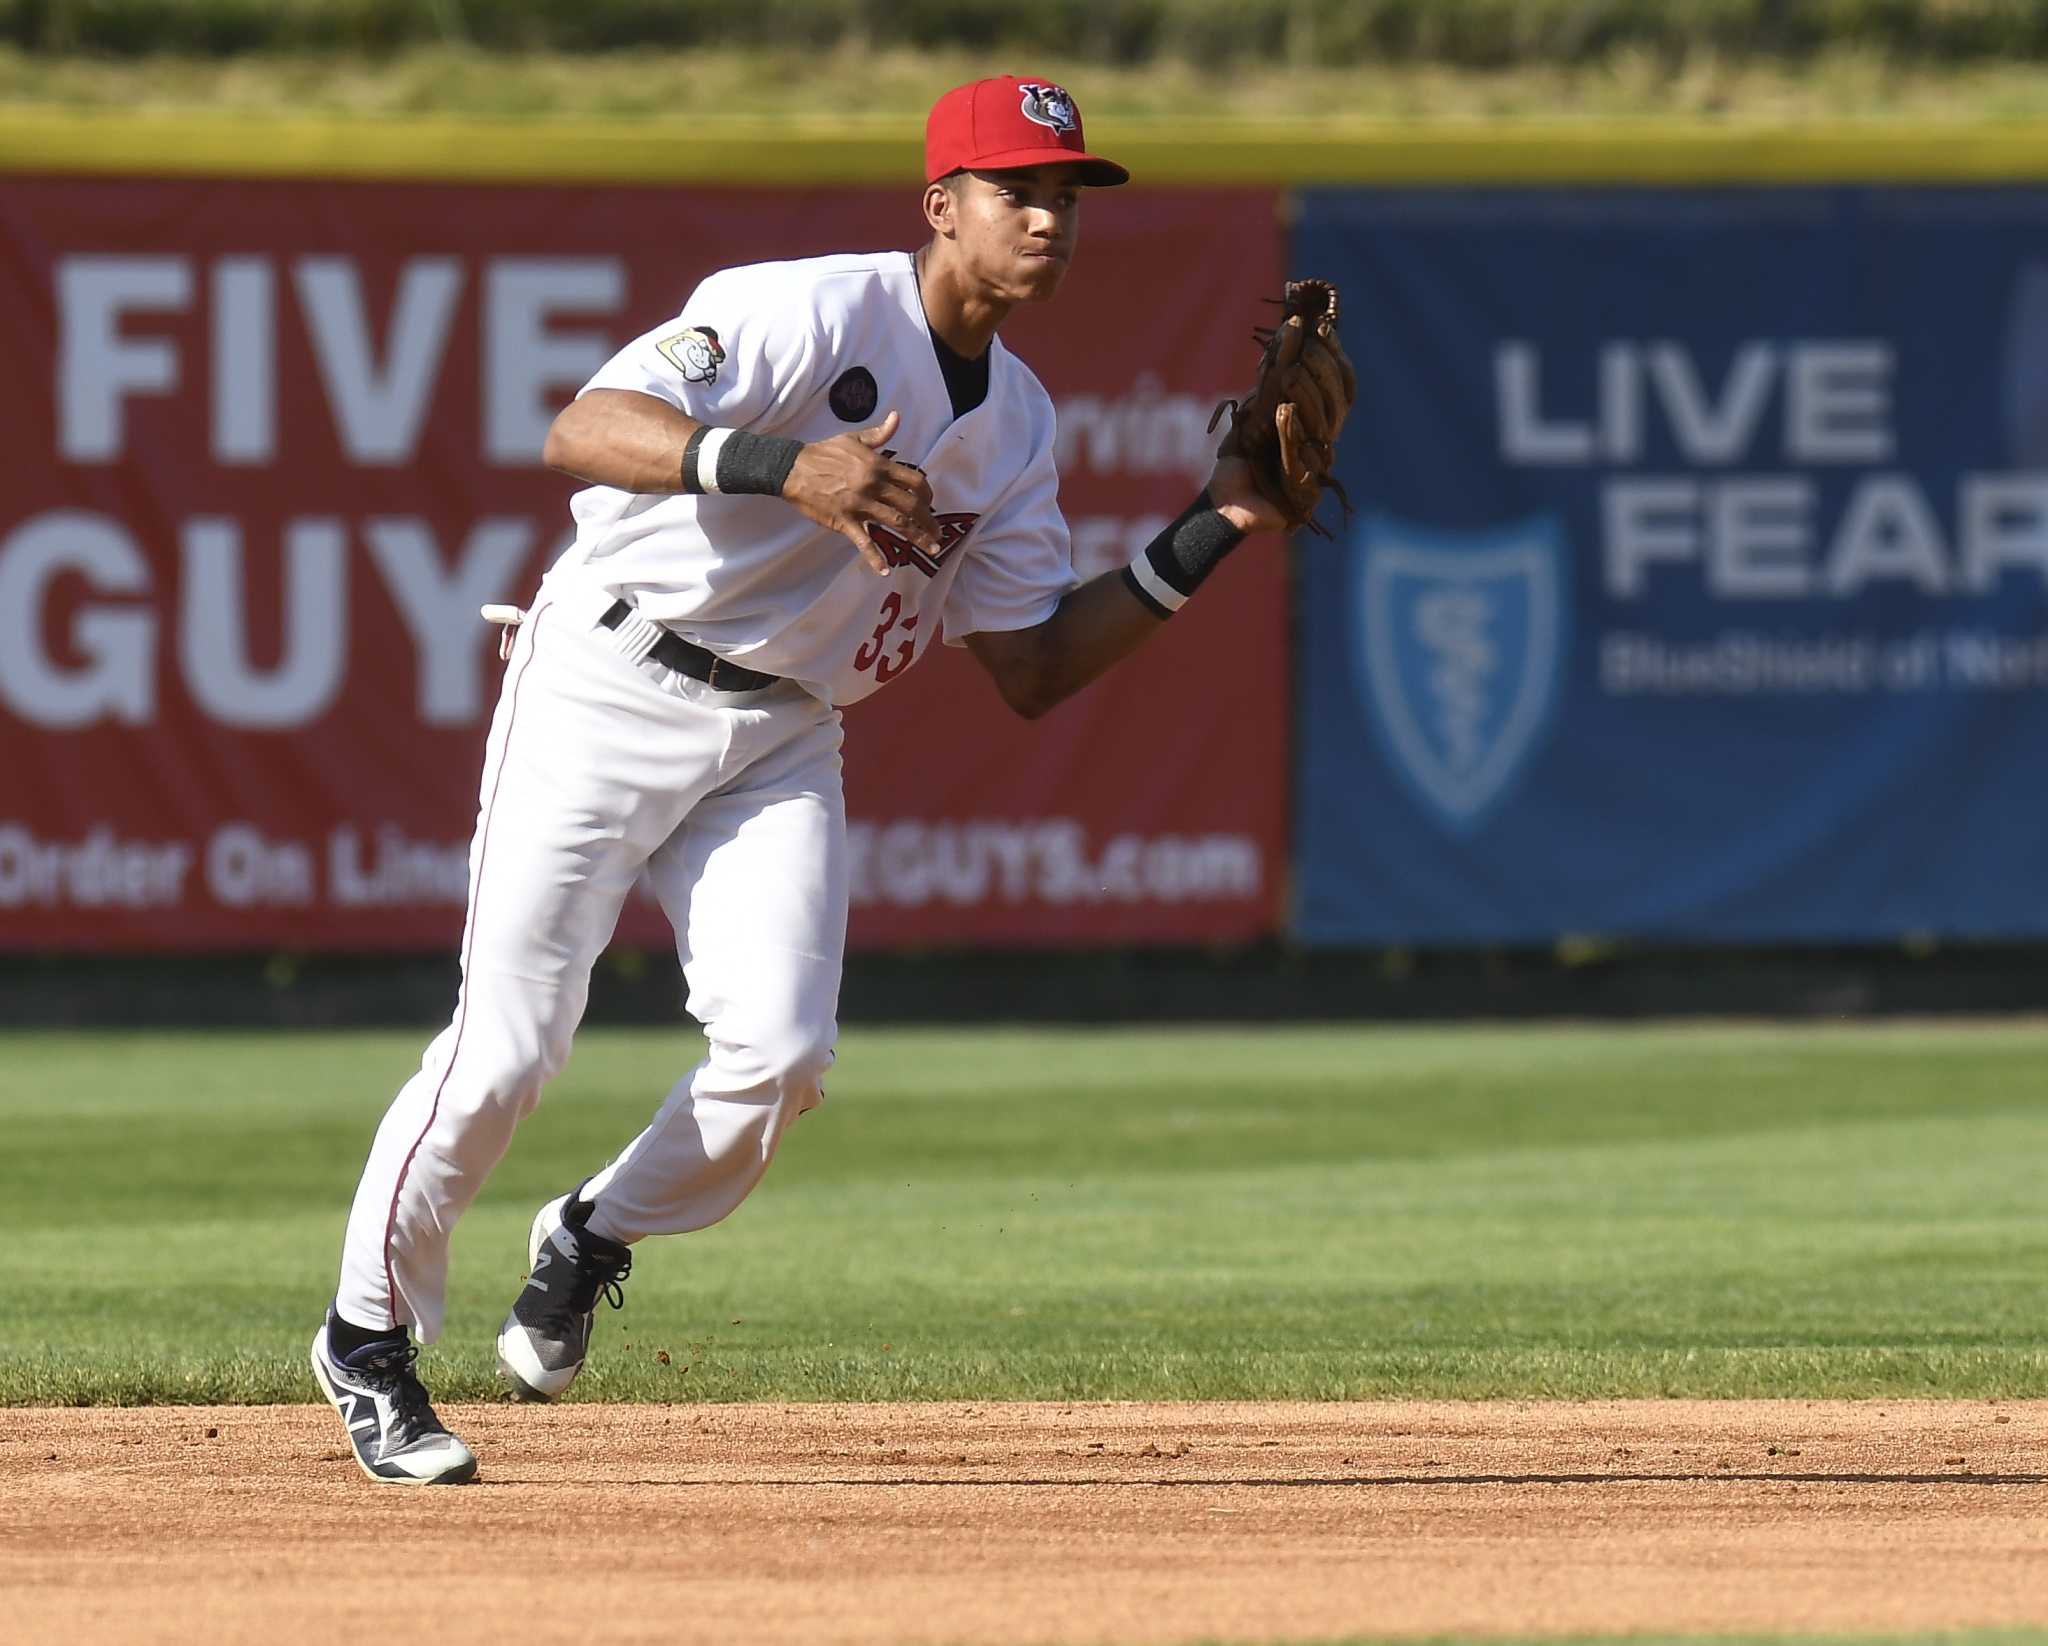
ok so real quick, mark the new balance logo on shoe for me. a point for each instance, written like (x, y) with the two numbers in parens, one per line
(391, 1425)
(546, 1337)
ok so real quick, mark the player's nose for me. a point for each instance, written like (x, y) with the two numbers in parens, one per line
(1047, 229)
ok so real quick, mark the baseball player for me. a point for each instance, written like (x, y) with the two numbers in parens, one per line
(794, 486)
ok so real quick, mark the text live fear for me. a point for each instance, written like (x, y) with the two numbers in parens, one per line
(1752, 533)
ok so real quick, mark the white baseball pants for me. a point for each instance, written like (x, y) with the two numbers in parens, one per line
(596, 768)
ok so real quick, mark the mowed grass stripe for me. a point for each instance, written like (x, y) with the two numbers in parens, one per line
(1204, 1213)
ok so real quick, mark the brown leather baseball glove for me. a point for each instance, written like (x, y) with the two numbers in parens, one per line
(1286, 428)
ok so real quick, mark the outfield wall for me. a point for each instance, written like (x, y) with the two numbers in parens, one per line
(276, 442)
(1699, 590)
(282, 388)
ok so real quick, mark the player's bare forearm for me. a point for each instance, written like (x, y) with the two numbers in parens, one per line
(615, 437)
(638, 443)
(1097, 625)
(1105, 620)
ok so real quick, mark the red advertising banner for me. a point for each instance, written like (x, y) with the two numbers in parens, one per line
(270, 445)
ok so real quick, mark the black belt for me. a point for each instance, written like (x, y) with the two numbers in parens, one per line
(672, 651)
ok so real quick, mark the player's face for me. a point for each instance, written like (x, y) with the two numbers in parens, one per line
(1018, 229)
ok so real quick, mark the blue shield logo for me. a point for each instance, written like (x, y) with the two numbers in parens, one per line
(1462, 640)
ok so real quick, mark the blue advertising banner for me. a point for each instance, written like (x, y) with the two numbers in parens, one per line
(1697, 588)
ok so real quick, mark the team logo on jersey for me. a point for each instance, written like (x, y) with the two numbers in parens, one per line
(900, 552)
(696, 352)
(854, 396)
(1049, 106)
(1459, 646)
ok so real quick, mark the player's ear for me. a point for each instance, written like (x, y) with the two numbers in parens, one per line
(938, 207)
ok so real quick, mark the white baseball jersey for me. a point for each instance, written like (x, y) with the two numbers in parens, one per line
(605, 769)
(810, 349)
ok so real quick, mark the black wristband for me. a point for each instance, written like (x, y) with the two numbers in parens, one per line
(1171, 567)
(739, 463)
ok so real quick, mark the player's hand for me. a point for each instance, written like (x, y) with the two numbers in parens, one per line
(847, 484)
(1239, 501)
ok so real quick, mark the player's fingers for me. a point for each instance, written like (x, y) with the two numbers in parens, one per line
(878, 436)
(857, 535)
(909, 504)
(904, 522)
(915, 479)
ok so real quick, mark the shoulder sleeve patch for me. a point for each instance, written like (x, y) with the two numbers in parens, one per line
(695, 352)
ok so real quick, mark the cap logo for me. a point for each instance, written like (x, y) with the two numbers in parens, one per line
(1049, 106)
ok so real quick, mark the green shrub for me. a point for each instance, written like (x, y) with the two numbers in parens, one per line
(1472, 33)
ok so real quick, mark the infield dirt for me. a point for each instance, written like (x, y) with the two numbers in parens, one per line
(1032, 1523)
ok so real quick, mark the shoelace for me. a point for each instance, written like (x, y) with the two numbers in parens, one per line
(595, 1278)
(393, 1374)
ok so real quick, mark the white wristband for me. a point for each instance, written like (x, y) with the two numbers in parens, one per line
(1153, 584)
(707, 458)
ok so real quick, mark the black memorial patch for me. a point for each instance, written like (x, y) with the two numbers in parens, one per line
(853, 397)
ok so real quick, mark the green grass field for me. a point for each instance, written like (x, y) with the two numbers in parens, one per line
(1857, 83)
(1215, 1212)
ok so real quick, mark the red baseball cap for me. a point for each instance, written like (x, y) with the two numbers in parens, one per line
(1006, 122)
